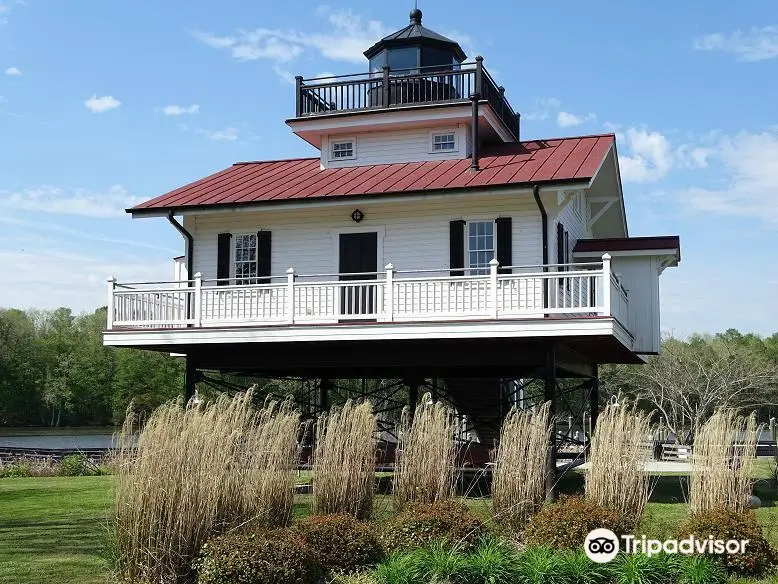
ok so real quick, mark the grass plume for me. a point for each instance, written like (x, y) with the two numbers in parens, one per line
(616, 478)
(195, 472)
(344, 461)
(520, 469)
(721, 475)
(426, 454)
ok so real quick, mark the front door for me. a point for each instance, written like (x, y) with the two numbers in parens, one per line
(358, 261)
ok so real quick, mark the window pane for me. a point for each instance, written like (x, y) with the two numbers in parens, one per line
(405, 58)
(480, 243)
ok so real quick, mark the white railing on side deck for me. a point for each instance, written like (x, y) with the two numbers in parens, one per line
(390, 296)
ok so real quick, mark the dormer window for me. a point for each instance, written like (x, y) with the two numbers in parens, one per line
(344, 149)
(443, 142)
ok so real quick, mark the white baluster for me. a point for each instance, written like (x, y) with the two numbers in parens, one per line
(606, 284)
(389, 306)
(111, 288)
(493, 285)
(290, 295)
(198, 299)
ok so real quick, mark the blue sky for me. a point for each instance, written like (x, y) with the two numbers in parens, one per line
(103, 104)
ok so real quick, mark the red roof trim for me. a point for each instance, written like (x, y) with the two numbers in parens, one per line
(670, 242)
(562, 160)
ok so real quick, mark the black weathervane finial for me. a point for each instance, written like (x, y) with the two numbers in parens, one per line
(415, 13)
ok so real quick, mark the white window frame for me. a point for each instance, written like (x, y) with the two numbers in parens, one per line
(431, 145)
(234, 259)
(483, 270)
(335, 141)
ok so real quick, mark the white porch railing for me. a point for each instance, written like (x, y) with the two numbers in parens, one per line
(391, 296)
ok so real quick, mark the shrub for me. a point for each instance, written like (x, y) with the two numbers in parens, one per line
(421, 524)
(615, 479)
(14, 470)
(642, 569)
(576, 568)
(538, 565)
(566, 523)
(344, 461)
(279, 556)
(439, 562)
(197, 472)
(398, 568)
(77, 465)
(340, 543)
(492, 561)
(700, 570)
(723, 524)
(519, 478)
(426, 454)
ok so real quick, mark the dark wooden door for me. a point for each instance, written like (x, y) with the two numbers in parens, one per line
(359, 260)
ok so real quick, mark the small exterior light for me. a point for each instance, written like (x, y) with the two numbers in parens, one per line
(357, 215)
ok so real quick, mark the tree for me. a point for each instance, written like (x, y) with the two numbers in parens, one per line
(688, 380)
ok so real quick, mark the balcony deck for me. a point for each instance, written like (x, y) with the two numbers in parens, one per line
(572, 291)
(364, 92)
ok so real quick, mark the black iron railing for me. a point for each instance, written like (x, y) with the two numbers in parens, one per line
(404, 87)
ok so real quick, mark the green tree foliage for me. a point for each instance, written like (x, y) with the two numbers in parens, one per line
(54, 370)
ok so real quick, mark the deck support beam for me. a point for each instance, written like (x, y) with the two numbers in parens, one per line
(594, 401)
(190, 379)
(413, 395)
(550, 395)
(324, 394)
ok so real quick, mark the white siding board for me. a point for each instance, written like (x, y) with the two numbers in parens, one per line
(413, 236)
(395, 146)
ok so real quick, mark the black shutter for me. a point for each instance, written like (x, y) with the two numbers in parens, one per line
(263, 257)
(504, 244)
(457, 247)
(223, 258)
(560, 245)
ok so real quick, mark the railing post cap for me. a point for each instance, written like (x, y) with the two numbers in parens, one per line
(479, 58)
(389, 266)
(112, 279)
(606, 257)
(300, 77)
(198, 275)
(494, 262)
(290, 271)
(385, 67)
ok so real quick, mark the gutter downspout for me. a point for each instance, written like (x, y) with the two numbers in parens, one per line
(189, 244)
(544, 223)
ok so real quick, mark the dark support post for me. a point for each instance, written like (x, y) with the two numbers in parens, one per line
(550, 391)
(385, 87)
(190, 379)
(474, 147)
(298, 92)
(324, 394)
(413, 395)
(594, 400)
(434, 389)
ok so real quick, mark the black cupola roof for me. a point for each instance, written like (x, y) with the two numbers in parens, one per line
(416, 35)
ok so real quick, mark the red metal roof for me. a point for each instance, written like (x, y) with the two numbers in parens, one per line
(537, 161)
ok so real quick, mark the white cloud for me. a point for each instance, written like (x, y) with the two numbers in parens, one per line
(543, 108)
(566, 119)
(179, 110)
(751, 184)
(348, 36)
(647, 155)
(13, 71)
(98, 105)
(756, 44)
(225, 134)
(49, 199)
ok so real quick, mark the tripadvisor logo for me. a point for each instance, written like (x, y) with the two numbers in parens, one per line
(602, 545)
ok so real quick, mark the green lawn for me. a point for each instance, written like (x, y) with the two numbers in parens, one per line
(56, 529)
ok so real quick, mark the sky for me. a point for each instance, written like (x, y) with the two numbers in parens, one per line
(106, 104)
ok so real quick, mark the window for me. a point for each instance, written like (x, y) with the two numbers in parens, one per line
(344, 149)
(444, 142)
(246, 259)
(480, 246)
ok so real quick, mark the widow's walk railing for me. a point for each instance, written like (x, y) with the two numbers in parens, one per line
(570, 290)
(404, 87)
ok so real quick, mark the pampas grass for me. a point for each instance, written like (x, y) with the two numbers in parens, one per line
(426, 454)
(616, 478)
(196, 472)
(721, 474)
(344, 461)
(520, 469)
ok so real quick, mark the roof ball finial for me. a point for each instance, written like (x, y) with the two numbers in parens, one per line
(415, 16)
